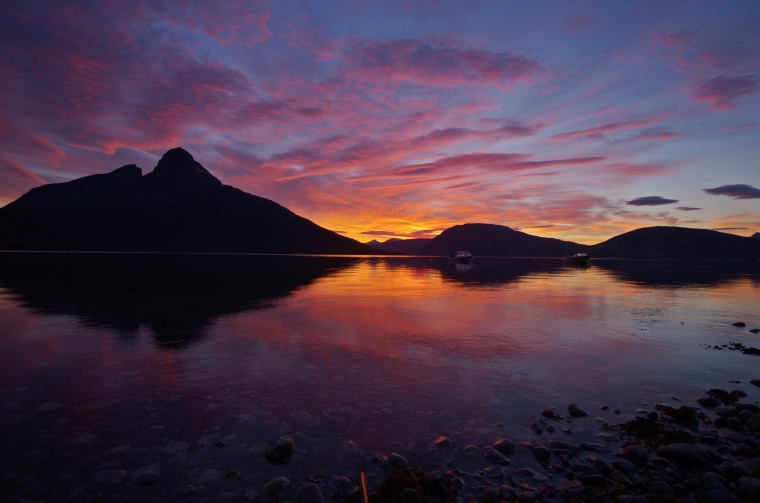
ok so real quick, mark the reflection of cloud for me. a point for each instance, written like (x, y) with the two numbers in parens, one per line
(738, 191)
(650, 201)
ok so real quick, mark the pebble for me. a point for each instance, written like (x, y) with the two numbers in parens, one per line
(709, 402)
(687, 455)
(275, 486)
(442, 441)
(504, 446)
(147, 474)
(280, 451)
(495, 456)
(111, 476)
(308, 493)
(636, 454)
(49, 407)
(208, 476)
(176, 448)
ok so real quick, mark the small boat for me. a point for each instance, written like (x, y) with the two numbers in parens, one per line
(578, 258)
(461, 256)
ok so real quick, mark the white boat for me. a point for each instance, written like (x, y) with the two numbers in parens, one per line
(461, 256)
(578, 258)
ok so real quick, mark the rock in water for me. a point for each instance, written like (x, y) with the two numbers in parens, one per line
(147, 474)
(280, 451)
(504, 446)
(685, 455)
(576, 411)
(309, 493)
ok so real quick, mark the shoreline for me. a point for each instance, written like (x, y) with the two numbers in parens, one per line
(707, 451)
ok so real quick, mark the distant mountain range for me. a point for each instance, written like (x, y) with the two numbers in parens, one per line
(482, 240)
(646, 243)
(181, 207)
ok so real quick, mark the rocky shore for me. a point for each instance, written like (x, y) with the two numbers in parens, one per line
(707, 451)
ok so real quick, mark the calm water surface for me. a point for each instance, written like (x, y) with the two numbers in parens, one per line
(107, 360)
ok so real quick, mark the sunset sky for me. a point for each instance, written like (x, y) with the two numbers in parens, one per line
(578, 120)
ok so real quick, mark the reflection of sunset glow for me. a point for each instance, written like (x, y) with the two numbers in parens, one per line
(388, 353)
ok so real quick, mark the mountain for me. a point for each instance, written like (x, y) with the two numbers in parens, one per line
(483, 240)
(180, 206)
(678, 243)
(755, 235)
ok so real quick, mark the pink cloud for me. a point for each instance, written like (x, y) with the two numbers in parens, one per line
(643, 170)
(655, 133)
(676, 39)
(15, 179)
(721, 92)
(437, 64)
(606, 128)
(231, 22)
(742, 127)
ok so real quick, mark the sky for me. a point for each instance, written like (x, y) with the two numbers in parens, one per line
(578, 120)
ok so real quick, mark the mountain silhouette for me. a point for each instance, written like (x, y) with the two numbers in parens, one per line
(483, 240)
(647, 243)
(179, 206)
(678, 243)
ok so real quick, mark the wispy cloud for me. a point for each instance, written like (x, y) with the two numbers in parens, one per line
(687, 208)
(377, 117)
(721, 92)
(436, 63)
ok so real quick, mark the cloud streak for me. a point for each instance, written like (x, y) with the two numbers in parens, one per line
(366, 117)
(650, 201)
(737, 191)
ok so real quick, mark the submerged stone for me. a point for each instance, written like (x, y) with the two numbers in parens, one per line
(280, 451)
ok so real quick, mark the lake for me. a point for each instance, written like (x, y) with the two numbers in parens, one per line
(194, 363)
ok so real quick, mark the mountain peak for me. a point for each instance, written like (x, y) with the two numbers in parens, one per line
(178, 166)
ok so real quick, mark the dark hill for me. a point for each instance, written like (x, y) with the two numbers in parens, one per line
(179, 206)
(678, 243)
(484, 240)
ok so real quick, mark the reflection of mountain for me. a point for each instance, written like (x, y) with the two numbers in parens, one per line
(493, 271)
(177, 296)
(656, 273)
(677, 273)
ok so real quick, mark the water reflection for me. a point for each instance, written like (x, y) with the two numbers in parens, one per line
(350, 356)
(678, 273)
(176, 296)
(492, 270)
